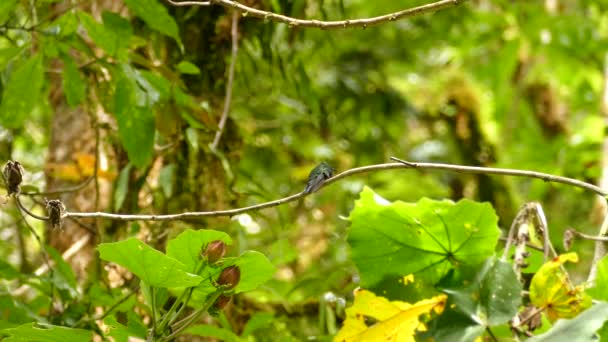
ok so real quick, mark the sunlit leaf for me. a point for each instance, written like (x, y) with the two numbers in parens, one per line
(135, 123)
(188, 68)
(150, 265)
(28, 79)
(188, 245)
(46, 333)
(73, 85)
(395, 320)
(552, 290)
(426, 239)
(155, 15)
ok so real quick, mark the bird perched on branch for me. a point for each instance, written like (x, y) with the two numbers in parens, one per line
(317, 176)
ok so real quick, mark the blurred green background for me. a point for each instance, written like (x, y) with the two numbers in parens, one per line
(514, 84)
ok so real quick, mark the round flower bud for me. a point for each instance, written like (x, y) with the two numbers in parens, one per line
(215, 251)
(230, 277)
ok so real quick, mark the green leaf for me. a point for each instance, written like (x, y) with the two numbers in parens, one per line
(113, 36)
(6, 9)
(582, 328)
(150, 265)
(22, 92)
(206, 330)
(255, 268)
(155, 15)
(7, 271)
(122, 187)
(425, 239)
(493, 297)
(63, 275)
(600, 290)
(7, 54)
(166, 179)
(46, 333)
(73, 85)
(259, 320)
(120, 332)
(187, 246)
(188, 68)
(136, 124)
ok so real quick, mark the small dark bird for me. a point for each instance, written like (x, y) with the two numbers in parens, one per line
(317, 176)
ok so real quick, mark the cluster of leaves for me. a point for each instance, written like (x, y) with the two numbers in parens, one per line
(446, 250)
(193, 271)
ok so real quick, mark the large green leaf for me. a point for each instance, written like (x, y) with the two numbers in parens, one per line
(45, 333)
(582, 328)
(150, 265)
(73, 85)
(493, 297)
(112, 36)
(425, 239)
(155, 15)
(186, 247)
(136, 125)
(22, 92)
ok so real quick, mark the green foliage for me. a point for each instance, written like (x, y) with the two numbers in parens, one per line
(582, 328)
(45, 333)
(428, 239)
(150, 265)
(22, 92)
(495, 84)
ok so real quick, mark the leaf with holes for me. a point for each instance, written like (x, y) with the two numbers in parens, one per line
(426, 239)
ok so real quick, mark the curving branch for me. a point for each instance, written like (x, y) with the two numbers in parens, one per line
(401, 164)
(337, 24)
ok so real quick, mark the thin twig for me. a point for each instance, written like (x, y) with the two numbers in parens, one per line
(507, 172)
(189, 3)
(358, 170)
(588, 237)
(20, 205)
(228, 97)
(43, 252)
(338, 24)
(61, 191)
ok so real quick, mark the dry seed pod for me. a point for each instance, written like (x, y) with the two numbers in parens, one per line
(13, 176)
(55, 210)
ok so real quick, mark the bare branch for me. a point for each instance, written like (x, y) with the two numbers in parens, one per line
(228, 96)
(507, 172)
(338, 24)
(189, 3)
(363, 169)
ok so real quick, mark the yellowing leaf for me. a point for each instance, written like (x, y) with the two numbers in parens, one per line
(552, 290)
(396, 320)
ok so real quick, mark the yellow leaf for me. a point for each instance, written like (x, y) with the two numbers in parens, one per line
(551, 290)
(395, 321)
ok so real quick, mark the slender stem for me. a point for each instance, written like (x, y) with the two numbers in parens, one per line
(169, 317)
(20, 205)
(600, 250)
(228, 97)
(197, 314)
